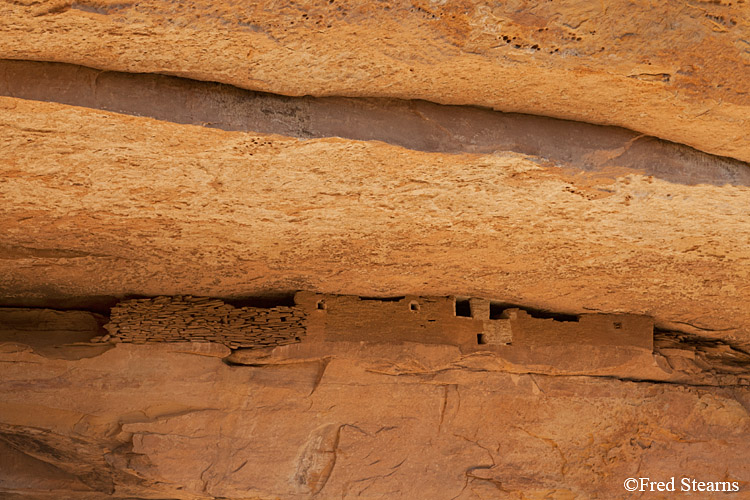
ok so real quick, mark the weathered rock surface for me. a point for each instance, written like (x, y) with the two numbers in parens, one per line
(418, 125)
(678, 71)
(350, 420)
(54, 334)
(526, 210)
(156, 208)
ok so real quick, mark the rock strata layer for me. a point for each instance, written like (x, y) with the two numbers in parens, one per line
(674, 70)
(154, 208)
(418, 125)
(349, 420)
(578, 163)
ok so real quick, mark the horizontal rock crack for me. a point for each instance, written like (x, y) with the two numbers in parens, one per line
(413, 124)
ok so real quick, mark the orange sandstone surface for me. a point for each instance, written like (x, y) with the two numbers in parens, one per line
(99, 204)
(567, 301)
(675, 70)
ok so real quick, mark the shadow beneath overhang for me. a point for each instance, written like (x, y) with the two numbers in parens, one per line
(412, 124)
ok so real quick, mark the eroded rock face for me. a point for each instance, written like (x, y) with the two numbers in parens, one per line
(367, 185)
(414, 124)
(568, 410)
(51, 333)
(396, 421)
(672, 70)
(156, 208)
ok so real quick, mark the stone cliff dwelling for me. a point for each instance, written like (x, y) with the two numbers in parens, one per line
(394, 250)
(466, 323)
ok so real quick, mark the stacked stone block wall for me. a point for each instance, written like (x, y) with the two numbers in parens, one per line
(186, 319)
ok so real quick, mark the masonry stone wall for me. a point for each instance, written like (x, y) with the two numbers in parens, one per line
(185, 319)
(330, 318)
(350, 318)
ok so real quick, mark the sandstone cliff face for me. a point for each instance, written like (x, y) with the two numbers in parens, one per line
(373, 149)
(152, 208)
(344, 421)
(388, 417)
(679, 71)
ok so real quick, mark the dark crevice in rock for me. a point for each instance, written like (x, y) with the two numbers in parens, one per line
(718, 355)
(262, 301)
(91, 462)
(99, 304)
(497, 309)
(413, 124)
(102, 304)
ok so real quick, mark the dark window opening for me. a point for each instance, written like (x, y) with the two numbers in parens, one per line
(463, 308)
(480, 339)
(414, 306)
(497, 310)
(321, 305)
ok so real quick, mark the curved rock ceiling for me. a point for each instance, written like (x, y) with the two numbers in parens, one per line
(152, 207)
(679, 71)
